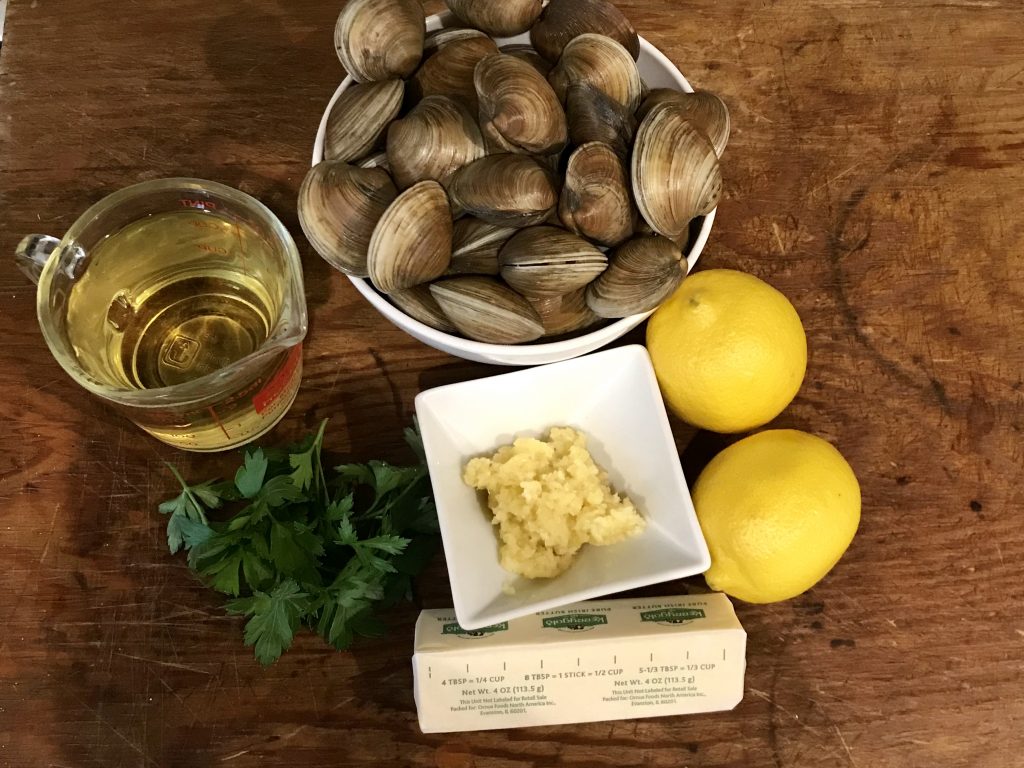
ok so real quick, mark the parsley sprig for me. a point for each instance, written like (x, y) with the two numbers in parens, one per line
(304, 546)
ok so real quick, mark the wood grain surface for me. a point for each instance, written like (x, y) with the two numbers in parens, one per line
(875, 176)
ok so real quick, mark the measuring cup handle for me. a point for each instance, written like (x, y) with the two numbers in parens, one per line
(32, 253)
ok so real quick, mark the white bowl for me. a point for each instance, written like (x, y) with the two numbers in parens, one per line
(658, 72)
(613, 397)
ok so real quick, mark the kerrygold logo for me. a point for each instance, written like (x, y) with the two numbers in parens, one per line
(575, 622)
(455, 629)
(672, 615)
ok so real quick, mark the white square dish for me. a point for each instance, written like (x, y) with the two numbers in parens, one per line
(613, 398)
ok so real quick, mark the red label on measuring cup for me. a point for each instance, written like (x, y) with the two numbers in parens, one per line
(203, 205)
(265, 398)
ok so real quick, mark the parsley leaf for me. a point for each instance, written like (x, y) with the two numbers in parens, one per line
(295, 546)
(187, 523)
(275, 617)
(223, 574)
(280, 490)
(249, 478)
(351, 475)
(182, 530)
(308, 472)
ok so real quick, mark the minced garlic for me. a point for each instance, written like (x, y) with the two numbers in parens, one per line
(549, 498)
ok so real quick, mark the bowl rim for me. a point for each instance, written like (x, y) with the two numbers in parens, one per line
(603, 335)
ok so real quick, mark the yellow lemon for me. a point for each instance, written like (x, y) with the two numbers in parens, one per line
(728, 349)
(778, 509)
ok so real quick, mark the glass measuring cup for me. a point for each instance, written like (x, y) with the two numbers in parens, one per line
(180, 303)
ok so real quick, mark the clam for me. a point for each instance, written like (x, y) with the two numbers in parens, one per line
(485, 309)
(600, 62)
(339, 206)
(675, 172)
(565, 314)
(376, 160)
(705, 110)
(434, 140)
(508, 190)
(593, 116)
(528, 54)
(475, 246)
(564, 20)
(358, 118)
(449, 71)
(547, 261)
(501, 18)
(641, 274)
(643, 228)
(419, 303)
(596, 201)
(439, 38)
(412, 242)
(380, 39)
(518, 110)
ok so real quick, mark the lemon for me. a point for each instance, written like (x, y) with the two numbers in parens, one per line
(728, 349)
(778, 509)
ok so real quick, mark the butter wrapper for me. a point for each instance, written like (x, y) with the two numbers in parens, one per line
(601, 660)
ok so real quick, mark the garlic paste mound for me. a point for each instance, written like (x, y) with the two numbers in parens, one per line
(549, 498)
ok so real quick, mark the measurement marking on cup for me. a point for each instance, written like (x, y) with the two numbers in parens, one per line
(430, 673)
(212, 249)
(723, 654)
(467, 669)
(216, 418)
(504, 666)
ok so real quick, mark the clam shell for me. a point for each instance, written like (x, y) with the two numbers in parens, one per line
(564, 20)
(565, 314)
(439, 38)
(528, 54)
(704, 109)
(485, 309)
(508, 190)
(596, 201)
(434, 140)
(419, 303)
(592, 116)
(518, 110)
(675, 172)
(547, 261)
(449, 71)
(380, 39)
(376, 160)
(643, 228)
(600, 62)
(641, 274)
(475, 246)
(359, 117)
(501, 18)
(339, 206)
(412, 242)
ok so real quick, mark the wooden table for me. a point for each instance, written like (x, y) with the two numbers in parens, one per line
(874, 176)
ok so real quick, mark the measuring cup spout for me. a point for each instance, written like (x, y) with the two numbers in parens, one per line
(32, 254)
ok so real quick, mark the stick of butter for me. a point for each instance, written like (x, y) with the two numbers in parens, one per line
(609, 660)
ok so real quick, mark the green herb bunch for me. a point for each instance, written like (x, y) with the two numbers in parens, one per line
(306, 546)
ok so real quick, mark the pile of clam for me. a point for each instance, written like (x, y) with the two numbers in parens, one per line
(510, 193)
